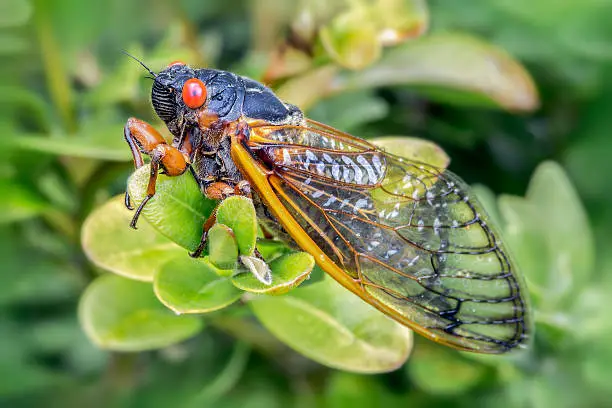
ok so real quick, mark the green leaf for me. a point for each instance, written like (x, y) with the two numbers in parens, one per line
(453, 68)
(550, 235)
(442, 371)
(525, 237)
(98, 144)
(332, 326)
(222, 247)
(415, 149)
(288, 271)
(178, 210)
(188, 285)
(238, 213)
(564, 219)
(124, 315)
(110, 243)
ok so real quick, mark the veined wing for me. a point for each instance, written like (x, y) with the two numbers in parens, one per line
(403, 235)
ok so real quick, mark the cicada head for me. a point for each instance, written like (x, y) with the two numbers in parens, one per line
(182, 94)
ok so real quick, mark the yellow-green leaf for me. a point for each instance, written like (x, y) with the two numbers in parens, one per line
(332, 326)
(188, 285)
(124, 315)
(454, 68)
(238, 213)
(110, 243)
(222, 247)
(178, 210)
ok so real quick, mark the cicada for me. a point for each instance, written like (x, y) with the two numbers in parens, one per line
(408, 238)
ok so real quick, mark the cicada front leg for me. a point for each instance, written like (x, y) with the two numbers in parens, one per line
(143, 138)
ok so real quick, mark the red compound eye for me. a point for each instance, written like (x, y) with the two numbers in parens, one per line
(177, 62)
(194, 93)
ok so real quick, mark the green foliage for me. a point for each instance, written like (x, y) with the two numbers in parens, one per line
(125, 315)
(178, 198)
(288, 271)
(131, 255)
(238, 214)
(193, 286)
(332, 326)
(222, 337)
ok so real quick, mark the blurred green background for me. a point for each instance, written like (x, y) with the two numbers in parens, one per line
(517, 92)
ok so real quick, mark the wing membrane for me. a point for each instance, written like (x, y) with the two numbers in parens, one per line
(409, 235)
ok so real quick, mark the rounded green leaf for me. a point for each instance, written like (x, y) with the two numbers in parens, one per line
(110, 243)
(188, 285)
(124, 315)
(238, 213)
(178, 210)
(222, 247)
(440, 370)
(334, 327)
(288, 271)
(452, 68)
(415, 149)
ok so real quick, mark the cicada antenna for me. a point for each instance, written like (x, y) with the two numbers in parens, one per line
(141, 63)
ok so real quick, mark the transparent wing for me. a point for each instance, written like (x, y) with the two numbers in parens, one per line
(409, 234)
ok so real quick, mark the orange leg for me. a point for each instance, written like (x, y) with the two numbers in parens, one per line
(143, 138)
(136, 155)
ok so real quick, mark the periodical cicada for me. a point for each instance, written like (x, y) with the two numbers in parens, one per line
(408, 238)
